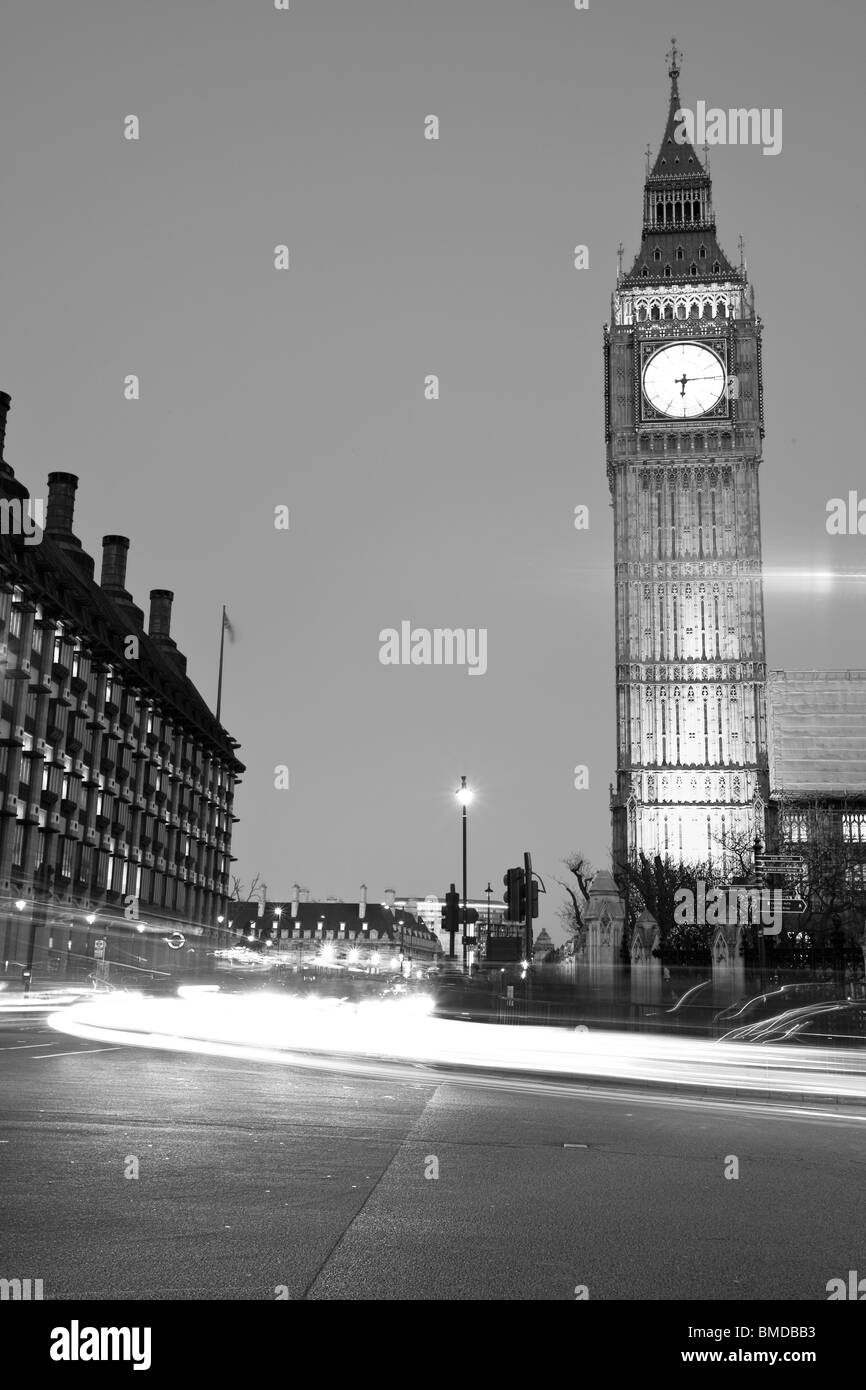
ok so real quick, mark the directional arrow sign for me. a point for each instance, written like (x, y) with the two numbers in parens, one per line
(793, 905)
(771, 863)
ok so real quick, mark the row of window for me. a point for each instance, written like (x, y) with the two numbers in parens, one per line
(682, 443)
(101, 870)
(667, 311)
(679, 209)
(105, 694)
(799, 826)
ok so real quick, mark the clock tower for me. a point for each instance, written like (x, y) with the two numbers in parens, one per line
(683, 429)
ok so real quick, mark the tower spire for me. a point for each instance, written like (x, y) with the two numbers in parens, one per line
(674, 58)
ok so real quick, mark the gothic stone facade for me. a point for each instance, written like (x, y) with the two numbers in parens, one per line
(684, 429)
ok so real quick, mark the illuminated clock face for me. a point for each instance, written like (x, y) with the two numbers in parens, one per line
(684, 380)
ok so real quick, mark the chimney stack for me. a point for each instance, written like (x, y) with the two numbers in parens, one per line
(114, 553)
(5, 402)
(61, 504)
(159, 627)
(9, 485)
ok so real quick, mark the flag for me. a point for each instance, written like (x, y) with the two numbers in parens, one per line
(227, 627)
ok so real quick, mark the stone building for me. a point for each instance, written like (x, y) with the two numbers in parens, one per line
(338, 934)
(684, 427)
(116, 781)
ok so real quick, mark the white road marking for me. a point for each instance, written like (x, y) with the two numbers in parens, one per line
(19, 1047)
(77, 1053)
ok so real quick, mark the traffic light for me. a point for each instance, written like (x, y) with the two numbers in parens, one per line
(451, 911)
(471, 915)
(515, 895)
(534, 898)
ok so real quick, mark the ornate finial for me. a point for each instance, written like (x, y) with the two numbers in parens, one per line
(619, 252)
(648, 153)
(742, 245)
(674, 58)
(706, 151)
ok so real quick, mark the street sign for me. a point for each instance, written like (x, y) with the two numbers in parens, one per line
(469, 941)
(793, 905)
(776, 863)
(99, 949)
(175, 941)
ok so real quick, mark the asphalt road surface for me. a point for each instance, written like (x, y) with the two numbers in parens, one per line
(254, 1179)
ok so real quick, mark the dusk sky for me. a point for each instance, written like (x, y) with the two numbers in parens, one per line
(305, 387)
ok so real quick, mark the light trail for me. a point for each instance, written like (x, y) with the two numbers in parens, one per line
(322, 1034)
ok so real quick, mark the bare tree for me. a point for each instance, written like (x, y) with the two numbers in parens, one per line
(571, 913)
(239, 892)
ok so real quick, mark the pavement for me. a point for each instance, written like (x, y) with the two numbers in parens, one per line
(267, 1180)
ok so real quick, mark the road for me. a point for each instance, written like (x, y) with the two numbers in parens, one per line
(257, 1178)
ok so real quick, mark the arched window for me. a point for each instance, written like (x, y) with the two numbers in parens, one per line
(660, 212)
(693, 270)
(696, 211)
(694, 310)
(721, 311)
(654, 313)
(657, 255)
(667, 272)
(680, 253)
(681, 310)
(669, 311)
(641, 314)
(708, 309)
(716, 267)
(678, 212)
(702, 253)
(644, 271)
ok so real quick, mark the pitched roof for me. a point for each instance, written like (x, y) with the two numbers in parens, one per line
(673, 157)
(379, 918)
(675, 165)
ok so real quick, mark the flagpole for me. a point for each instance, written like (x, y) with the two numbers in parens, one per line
(220, 676)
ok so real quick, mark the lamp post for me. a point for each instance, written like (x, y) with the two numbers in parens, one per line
(464, 796)
(489, 891)
(28, 969)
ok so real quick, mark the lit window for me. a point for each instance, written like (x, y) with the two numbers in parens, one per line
(854, 828)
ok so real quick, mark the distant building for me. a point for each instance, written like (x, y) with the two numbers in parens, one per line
(817, 753)
(542, 947)
(358, 935)
(429, 911)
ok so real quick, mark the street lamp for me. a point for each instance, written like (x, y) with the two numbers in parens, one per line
(464, 796)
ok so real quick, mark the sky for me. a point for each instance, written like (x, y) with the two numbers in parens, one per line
(304, 388)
